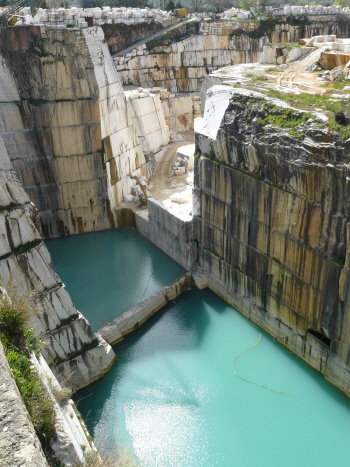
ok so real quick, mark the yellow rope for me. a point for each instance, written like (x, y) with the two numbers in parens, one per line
(246, 380)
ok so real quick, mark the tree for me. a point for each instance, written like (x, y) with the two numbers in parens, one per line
(258, 7)
(170, 5)
(218, 6)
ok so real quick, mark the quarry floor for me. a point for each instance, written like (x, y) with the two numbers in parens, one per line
(292, 78)
(163, 186)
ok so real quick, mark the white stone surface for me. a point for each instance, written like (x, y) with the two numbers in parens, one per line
(124, 154)
(71, 444)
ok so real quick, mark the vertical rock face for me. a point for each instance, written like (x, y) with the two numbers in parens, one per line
(123, 153)
(273, 226)
(149, 121)
(51, 129)
(25, 266)
(169, 232)
(181, 63)
(65, 124)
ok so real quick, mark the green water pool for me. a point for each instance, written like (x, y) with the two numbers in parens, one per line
(173, 398)
(111, 271)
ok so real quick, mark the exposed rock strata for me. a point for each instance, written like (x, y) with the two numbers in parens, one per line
(120, 36)
(123, 154)
(66, 127)
(25, 266)
(182, 65)
(273, 226)
(50, 124)
(148, 119)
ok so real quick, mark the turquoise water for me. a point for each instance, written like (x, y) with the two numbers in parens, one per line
(174, 399)
(108, 272)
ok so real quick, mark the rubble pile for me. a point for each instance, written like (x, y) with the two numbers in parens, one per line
(175, 137)
(137, 193)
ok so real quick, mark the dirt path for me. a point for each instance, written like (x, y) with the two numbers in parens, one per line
(296, 74)
(162, 185)
(161, 182)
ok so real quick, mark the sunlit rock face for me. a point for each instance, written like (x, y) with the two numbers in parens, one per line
(181, 60)
(66, 128)
(273, 225)
(51, 127)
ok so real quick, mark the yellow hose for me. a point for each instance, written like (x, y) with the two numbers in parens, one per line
(246, 380)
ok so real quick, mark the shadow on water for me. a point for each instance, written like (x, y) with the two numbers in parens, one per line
(108, 272)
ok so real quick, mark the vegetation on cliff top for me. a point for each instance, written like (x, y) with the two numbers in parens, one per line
(316, 102)
(285, 118)
(266, 26)
(19, 340)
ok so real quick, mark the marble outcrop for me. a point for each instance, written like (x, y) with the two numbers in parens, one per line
(146, 112)
(26, 268)
(171, 233)
(70, 132)
(272, 223)
(180, 61)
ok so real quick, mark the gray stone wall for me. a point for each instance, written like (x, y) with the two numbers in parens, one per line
(169, 233)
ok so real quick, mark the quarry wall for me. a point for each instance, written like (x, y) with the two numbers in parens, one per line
(76, 356)
(170, 233)
(181, 59)
(26, 270)
(273, 226)
(68, 131)
(271, 223)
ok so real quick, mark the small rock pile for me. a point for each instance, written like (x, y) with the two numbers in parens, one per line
(332, 75)
(175, 137)
(137, 192)
(179, 165)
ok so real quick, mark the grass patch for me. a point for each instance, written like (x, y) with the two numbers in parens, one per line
(19, 341)
(307, 101)
(260, 78)
(274, 70)
(285, 118)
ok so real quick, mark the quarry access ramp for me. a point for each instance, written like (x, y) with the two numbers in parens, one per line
(153, 36)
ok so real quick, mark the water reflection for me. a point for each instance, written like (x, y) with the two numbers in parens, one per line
(174, 397)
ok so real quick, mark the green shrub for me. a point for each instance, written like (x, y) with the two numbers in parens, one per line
(12, 323)
(19, 341)
(285, 118)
